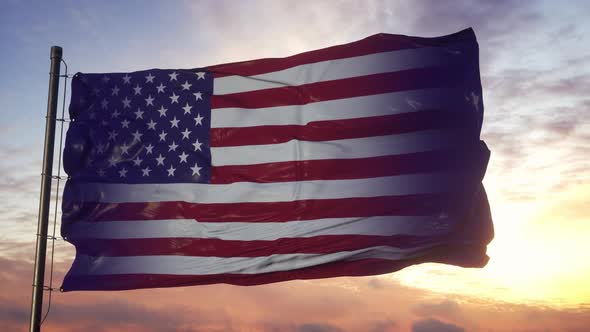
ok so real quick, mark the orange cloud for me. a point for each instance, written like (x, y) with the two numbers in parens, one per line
(339, 304)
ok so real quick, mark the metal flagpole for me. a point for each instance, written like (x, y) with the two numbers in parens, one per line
(43, 221)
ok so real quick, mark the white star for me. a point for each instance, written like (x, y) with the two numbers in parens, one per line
(138, 114)
(126, 79)
(125, 149)
(115, 114)
(137, 90)
(160, 160)
(106, 79)
(198, 96)
(151, 124)
(115, 91)
(113, 161)
(149, 149)
(186, 85)
(125, 123)
(137, 161)
(200, 75)
(475, 101)
(126, 103)
(162, 111)
(174, 123)
(174, 98)
(199, 119)
(197, 145)
(101, 172)
(171, 171)
(100, 148)
(163, 136)
(113, 135)
(123, 173)
(172, 147)
(196, 169)
(104, 103)
(183, 157)
(146, 171)
(173, 76)
(149, 101)
(185, 133)
(161, 88)
(149, 78)
(187, 109)
(137, 136)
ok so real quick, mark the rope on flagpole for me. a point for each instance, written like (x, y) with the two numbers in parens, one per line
(58, 178)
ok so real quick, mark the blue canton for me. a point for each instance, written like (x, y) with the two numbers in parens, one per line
(148, 126)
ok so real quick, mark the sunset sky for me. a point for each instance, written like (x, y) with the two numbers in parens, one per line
(535, 71)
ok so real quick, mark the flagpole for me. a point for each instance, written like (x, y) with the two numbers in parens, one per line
(43, 221)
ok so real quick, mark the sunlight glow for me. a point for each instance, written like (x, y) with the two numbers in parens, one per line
(528, 264)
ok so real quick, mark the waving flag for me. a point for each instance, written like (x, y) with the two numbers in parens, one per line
(357, 159)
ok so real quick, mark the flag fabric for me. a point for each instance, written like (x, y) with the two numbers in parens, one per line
(357, 159)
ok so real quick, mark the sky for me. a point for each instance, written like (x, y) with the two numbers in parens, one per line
(535, 71)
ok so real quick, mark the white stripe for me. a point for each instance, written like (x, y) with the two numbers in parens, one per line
(365, 147)
(244, 231)
(344, 68)
(339, 109)
(196, 265)
(249, 192)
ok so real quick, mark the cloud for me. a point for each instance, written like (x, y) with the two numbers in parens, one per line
(116, 314)
(339, 304)
(11, 314)
(445, 309)
(375, 283)
(543, 139)
(382, 326)
(313, 327)
(433, 325)
(107, 315)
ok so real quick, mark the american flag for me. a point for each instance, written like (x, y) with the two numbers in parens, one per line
(357, 159)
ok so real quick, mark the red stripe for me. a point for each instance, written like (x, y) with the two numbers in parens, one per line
(338, 169)
(461, 255)
(343, 129)
(410, 205)
(413, 79)
(374, 44)
(223, 248)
